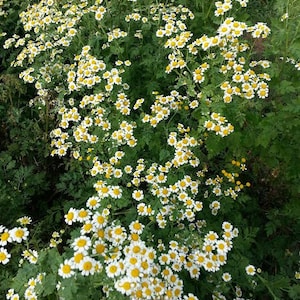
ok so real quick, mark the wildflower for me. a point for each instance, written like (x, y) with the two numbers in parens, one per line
(83, 215)
(71, 216)
(4, 256)
(24, 220)
(11, 294)
(194, 104)
(65, 269)
(136, 227)
(99, 248)
(217, 190)
(115, 192)
(16, 297)
(138, 195)
(190, 296)
(222, 247)
(215, 205)
(31, 256)
(5, 236)
(227, 226)
(19, 234)
(164, 259)
(99, 220)
(118, 234)
(226, 277)
(124, 286)
(211, 237)
(30, 294)
(210, 266)
(99, 13)
(81, 243)
(128, 169)
(93, 202)
(250, 270)
(87, 266)
(113, 269)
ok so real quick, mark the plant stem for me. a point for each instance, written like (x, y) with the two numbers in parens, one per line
(266, 284)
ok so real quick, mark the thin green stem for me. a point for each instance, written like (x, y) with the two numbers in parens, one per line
(266, 284)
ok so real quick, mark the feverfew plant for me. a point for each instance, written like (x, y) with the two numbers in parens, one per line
(137, 94)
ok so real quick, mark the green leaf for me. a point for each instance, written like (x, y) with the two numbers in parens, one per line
(163, 154)
(11, 164)
(294, 291)
(49, 284)
(68, 289)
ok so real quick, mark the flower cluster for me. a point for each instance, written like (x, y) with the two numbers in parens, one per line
(226, 178)
(219, 125)
(15, 235)
(45, 14)
(30, 292)
(162, 107)
(163, 192)
(244, 82)
(136, 269)
(176, 32)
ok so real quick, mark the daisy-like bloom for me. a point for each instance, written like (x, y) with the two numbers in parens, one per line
(81, 243)
(190, 296)
(194, 271)
(124, 286)
(194, 104)
(83, 215)
(99, 13)
(222, 247)
(24, 220)
(128, 169)
(31, 256)
(210, 265)
(99, 220)
(113, 269)
(115, 192)
(250, 270)
(99, 248)
(10, 293)
(118, 234)
(19, 234)
(93, 202)
(226, 277)
(164, 259)
(217, 190)
(211, 237)
(77, 258)
(118, 173)
(65, 269)
(71, 216)
(215, 205)
(87, 227)
(87, 266)
(136, 227)
(4, 256)
(5, 236)
(226, 226)
(15, 297)
(138, 195)
(30, 294)
(145, 210)
(198, 76)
